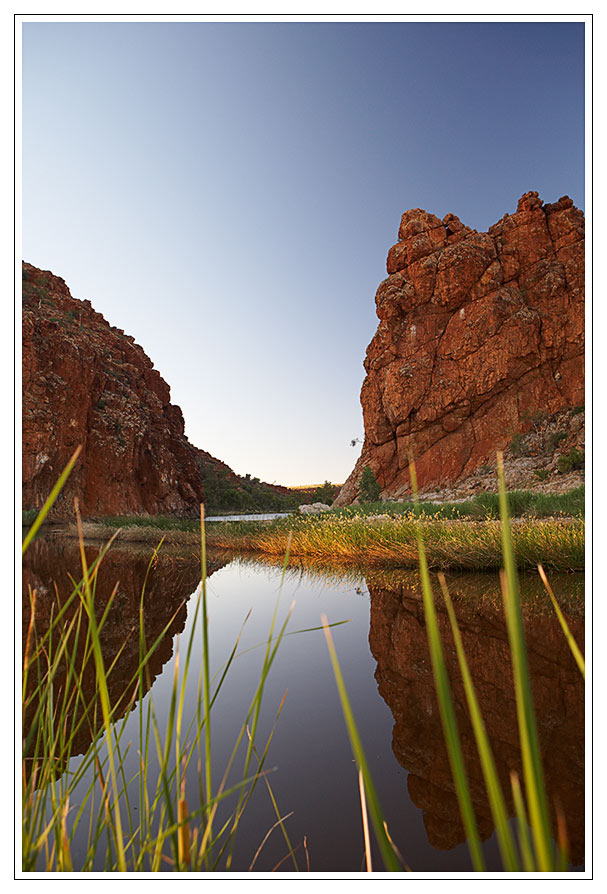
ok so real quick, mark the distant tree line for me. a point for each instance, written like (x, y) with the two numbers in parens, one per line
(235, 493)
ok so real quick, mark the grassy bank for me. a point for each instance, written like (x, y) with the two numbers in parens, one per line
(523, 504)
(457, 544)
(549, 529)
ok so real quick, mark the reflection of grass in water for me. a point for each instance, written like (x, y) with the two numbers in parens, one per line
(472, 589)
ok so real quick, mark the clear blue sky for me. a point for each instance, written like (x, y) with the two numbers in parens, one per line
(227, 193)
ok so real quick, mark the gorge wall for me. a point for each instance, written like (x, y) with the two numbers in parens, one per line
(478, 332)
(87, 383)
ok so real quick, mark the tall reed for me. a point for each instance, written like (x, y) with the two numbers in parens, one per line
(174, 811)
(532, 848)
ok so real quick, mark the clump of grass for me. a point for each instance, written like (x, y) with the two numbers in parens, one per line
(518, 445)
(166, 815)
(28, 516)
(531, 848)
(157, 522)
(568, 462)
(483, 505)
(555, 438)
(465, 545)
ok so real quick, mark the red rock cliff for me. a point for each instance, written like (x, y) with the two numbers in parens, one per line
(86, 382)
(477, 333)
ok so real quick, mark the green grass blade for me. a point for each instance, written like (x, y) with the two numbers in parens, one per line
(51, 499)
(494, 790)
(575, 651)
(448, 719)
(523, 825)
(206, 665)
(530, 751)
(390, 861)
(445, 702)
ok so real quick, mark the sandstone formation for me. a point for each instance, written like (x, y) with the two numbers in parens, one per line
(398, 642)
(478, 333)
(87, 383)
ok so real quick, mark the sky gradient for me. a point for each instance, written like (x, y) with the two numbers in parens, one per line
(227, 194)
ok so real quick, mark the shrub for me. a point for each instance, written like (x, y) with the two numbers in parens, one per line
(518, 446)
(579, 409)
(538, 419)
(326, 493)
(568, 462)
(369, 487)
(542, 474)
(555, 439)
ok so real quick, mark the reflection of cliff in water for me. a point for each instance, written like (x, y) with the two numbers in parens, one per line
(171, 580)
(404, 675)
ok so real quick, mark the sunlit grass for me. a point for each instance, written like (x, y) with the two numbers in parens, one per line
(176, 811)
(466, 545)
(185, 815)
(534, 848)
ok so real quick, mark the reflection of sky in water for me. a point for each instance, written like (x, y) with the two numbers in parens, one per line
(312, 769)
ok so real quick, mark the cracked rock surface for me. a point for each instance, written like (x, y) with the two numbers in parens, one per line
(478, 332)
(86, 382)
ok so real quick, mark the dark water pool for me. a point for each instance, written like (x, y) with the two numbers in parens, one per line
(385, 663)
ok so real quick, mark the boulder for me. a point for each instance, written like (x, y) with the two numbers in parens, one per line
(314, 508)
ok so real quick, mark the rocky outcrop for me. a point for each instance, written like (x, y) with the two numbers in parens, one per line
(87, 383)
(398, 641)
(478, 333)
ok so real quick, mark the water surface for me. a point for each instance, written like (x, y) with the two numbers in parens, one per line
(385, 662)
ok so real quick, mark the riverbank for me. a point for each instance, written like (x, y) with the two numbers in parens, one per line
(391, 542)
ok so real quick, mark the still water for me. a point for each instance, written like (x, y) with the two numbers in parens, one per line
(384, 659)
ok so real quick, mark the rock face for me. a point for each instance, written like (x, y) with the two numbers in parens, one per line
(86, 382)
(478, 332)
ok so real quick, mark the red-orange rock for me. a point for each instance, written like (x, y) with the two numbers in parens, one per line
(86, 382)
(477, 332)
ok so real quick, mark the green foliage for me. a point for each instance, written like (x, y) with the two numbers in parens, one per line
(326, 493)
(369, 487)
(486, 505)
(518, 446)
(534, 851)
(28, 516)
(142, 823)
(542, 474)
(577, 410)
(555, 438)
(568, 462)
(226, 493)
